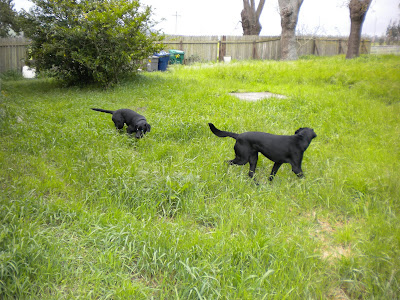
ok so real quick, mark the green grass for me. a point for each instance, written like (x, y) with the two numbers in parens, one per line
(89, 213)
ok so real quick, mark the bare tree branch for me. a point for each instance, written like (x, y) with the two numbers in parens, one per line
(260, 8)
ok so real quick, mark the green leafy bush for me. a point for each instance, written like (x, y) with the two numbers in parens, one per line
(90, 41)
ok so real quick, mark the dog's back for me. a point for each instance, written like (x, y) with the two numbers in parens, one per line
(129, 114)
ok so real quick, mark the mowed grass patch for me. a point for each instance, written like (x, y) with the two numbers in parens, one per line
(89, 212)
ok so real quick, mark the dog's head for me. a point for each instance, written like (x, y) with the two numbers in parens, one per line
(306, 132)
(141, 129)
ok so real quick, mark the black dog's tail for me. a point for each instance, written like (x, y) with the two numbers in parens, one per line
(103, 110)
(221, 133)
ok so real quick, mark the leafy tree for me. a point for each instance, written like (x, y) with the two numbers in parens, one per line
(393, 33)
(8, 18)
(90, 41)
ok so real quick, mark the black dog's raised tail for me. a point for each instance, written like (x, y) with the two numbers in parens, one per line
(221, 133)
(104, 110)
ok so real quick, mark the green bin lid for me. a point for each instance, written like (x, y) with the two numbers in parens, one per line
(176, 51)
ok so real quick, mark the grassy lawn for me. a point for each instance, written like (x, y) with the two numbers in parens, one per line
(86, 212)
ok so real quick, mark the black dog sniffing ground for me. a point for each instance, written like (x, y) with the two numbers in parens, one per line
(278, 148)
(135, 122)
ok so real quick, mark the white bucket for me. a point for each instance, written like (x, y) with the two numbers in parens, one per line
(28, 72)
(227, 59)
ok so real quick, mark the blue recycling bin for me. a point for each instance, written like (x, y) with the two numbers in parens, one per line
(163, 58)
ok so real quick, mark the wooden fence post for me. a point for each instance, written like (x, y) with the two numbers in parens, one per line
(340, 50)
(315, 48)
(364, 49)
(254, 50)
(222, 48)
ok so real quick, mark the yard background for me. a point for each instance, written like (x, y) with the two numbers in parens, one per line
(208, 48)
(86, 212)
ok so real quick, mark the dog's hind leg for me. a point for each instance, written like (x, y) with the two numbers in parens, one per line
(275, 169)
(118, 120)
(253, 163)
(241, 158)
(238, 161)
(119, 124)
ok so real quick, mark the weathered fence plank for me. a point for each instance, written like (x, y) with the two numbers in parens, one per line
(258, 47)
(196, 48)
(387, 49)
(12, 53)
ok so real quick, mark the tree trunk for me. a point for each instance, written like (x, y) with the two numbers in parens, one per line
(251, 17)
(358, 11)
(289, 10)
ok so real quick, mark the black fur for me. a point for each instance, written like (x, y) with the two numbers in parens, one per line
(135, 122)
(278, 148)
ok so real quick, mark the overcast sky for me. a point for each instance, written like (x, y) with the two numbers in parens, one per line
(222, 17)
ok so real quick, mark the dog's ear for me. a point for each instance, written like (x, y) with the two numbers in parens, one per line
(148, 127)
(298, 131)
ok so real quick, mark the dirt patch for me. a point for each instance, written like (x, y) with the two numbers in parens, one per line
(323, 232)
(257, 96)
(333, 252)
(338, 294)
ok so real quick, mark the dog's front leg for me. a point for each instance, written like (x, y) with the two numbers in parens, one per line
(300, 175)
(130, 129)
(298, 171)
(275, 169)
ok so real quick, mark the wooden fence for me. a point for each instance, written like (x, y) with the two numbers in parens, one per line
(207, 48)
(213, 48)
(12, 53)
(386, 49)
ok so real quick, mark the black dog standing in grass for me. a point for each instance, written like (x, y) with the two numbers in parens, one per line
(278, 148)
(135, 122)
